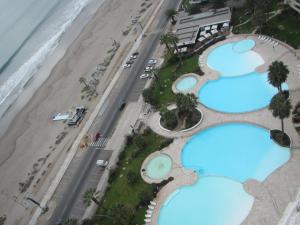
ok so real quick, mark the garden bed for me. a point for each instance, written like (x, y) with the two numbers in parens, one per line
(181, 123)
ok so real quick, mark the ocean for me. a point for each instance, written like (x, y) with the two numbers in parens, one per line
(30, 32)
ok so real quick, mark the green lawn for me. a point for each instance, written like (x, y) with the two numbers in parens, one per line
(161, 89)
(120, 191)
(285, 27)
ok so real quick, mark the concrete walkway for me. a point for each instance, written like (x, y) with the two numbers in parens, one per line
(271, 196)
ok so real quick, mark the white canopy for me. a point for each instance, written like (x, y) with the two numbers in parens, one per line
(202, 33)
(207, 35)
(201, 39)
(214, 31)
(225, 24)
(207, 28)
(214, 27)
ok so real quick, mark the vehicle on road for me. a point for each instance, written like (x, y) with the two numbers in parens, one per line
(125, 66)
(102, 163)
(152, 61)
(97, 136)
(148, 69)
(144, 75)
(130, 61)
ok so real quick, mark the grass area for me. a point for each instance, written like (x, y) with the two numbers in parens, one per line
(285, 27)
(161, 90)
(120, 191)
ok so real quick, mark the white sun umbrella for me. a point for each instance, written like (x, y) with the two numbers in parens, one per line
(214, 31)
(201, 39)
(202, 33)
(207, 35)
(225, 24)
(214, 27)
(207, 28)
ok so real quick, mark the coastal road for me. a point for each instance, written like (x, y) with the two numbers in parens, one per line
(128, 88)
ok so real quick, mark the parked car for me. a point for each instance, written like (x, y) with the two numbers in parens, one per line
(148, 68)
(133, 57)
(125, 66)
(152, 61)
(102, 163)
(130, 61)
(144, 75)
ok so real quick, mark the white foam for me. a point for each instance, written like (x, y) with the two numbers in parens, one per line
(31, 66)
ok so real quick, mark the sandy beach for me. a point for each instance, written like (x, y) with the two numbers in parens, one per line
(34, 146)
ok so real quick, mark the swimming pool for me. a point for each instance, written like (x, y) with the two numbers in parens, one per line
(159, 166)
(239, 89)
(238, 94)
(235, 150)
(224, 156)
(210, 201)
(230, 63)
(186, 83)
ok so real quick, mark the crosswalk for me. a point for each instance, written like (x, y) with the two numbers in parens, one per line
(100, 143)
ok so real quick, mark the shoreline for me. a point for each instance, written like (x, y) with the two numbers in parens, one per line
(31, 136)
(15, 104)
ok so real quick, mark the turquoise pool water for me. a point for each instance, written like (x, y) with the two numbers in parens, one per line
(230, 63)
(243, 46)
(238, 94)
(235, 150)
(210, 201)
(239, 88)
(158, 167)
(186, 83)
(224, 156)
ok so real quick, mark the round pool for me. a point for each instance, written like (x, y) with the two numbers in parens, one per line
(243, 46)
(210, 201)
(230, 63)
(159, 167)
(235, 150)
(186, 83)
(238, 94)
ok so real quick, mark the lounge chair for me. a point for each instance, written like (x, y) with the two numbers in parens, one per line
(151, 207)
(149, 211)
(272, 43)
(152, 203)
(275, 44)
(259, 37)
(147, 220)
(148, 216)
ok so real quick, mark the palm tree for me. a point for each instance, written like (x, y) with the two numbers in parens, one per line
(174, 40)
(281, 107)
(278, 73)
(170, 13)
(88, 195)
(186, 104)
(165, 39)
(82, 80)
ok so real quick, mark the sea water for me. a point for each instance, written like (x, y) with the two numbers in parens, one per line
(30, 32)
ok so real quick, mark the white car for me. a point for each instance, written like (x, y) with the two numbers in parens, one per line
(102, 163)
(144, 75)
(152, 61)
(133, 57)
(127, 65)
(148, 68)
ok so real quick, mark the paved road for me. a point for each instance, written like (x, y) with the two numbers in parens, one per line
(127, 89)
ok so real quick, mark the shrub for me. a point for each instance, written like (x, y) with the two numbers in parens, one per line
(132, 177)
(169, 119)
(165, 143)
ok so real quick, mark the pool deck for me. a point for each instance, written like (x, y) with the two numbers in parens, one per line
(274, 194)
